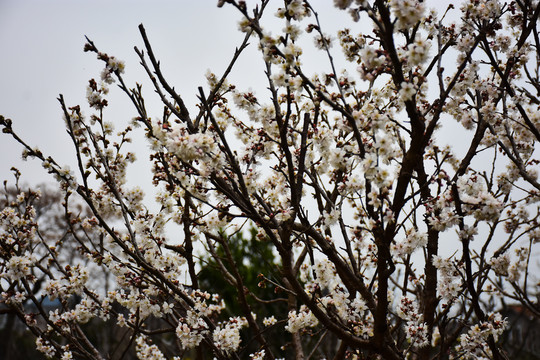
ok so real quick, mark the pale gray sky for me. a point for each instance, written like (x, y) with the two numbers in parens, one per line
(41, 56)
(41, 46)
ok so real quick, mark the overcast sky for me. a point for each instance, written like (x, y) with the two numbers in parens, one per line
(42, 57)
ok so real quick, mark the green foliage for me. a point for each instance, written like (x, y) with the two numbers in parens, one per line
(253, 259)
(259, 269)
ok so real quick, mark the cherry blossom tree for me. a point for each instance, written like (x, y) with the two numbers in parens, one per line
(391, 243)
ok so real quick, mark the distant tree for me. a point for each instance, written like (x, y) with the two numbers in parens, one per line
(54, 235)
(251, 259)
(46, 209)
(389, 244)
(15, 343)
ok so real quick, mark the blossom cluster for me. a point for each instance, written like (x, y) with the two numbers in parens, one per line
(473, 344)
(416, 329)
